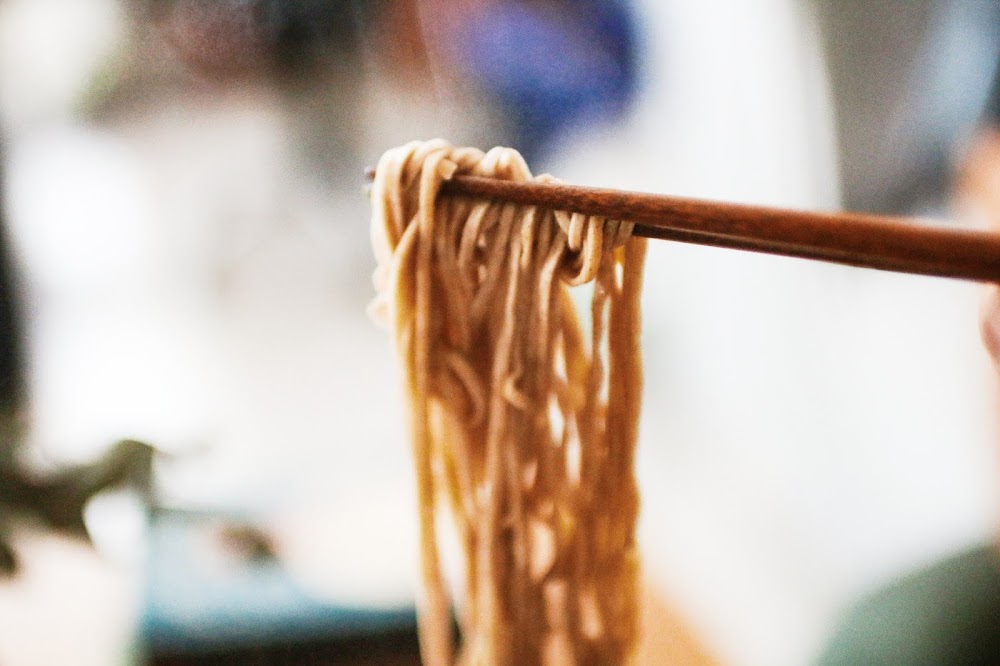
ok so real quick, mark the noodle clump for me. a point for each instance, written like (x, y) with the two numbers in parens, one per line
(520, 425)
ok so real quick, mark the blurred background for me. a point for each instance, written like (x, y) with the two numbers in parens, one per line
(186, 264)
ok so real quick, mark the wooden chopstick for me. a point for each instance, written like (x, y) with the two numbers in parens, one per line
(896, 244)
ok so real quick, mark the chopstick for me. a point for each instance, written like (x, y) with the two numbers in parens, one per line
(898, 244)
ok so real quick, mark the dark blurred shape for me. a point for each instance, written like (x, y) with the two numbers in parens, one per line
(393, 648)
(236, 38)
(555, 64)
(248, 542)
(305, 29)
(221, 38)
(56, 502)
(991, 114)
(948, 614)
(11, 348)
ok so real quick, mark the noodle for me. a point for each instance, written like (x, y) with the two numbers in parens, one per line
(520, 425)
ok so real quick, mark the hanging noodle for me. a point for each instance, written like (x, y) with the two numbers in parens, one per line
(521, 426)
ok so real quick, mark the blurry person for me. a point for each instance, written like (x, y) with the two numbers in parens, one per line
(949, 611)
(910, 80)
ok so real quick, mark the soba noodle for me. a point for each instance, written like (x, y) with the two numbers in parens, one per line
(522, 426)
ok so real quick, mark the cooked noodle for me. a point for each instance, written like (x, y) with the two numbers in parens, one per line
(519, 424)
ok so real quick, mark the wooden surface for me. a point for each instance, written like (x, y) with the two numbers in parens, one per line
(666, 637)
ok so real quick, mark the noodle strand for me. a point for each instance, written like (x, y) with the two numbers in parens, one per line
(518, 425)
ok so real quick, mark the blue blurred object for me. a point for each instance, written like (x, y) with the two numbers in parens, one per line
(195, 605)
(554, 65)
